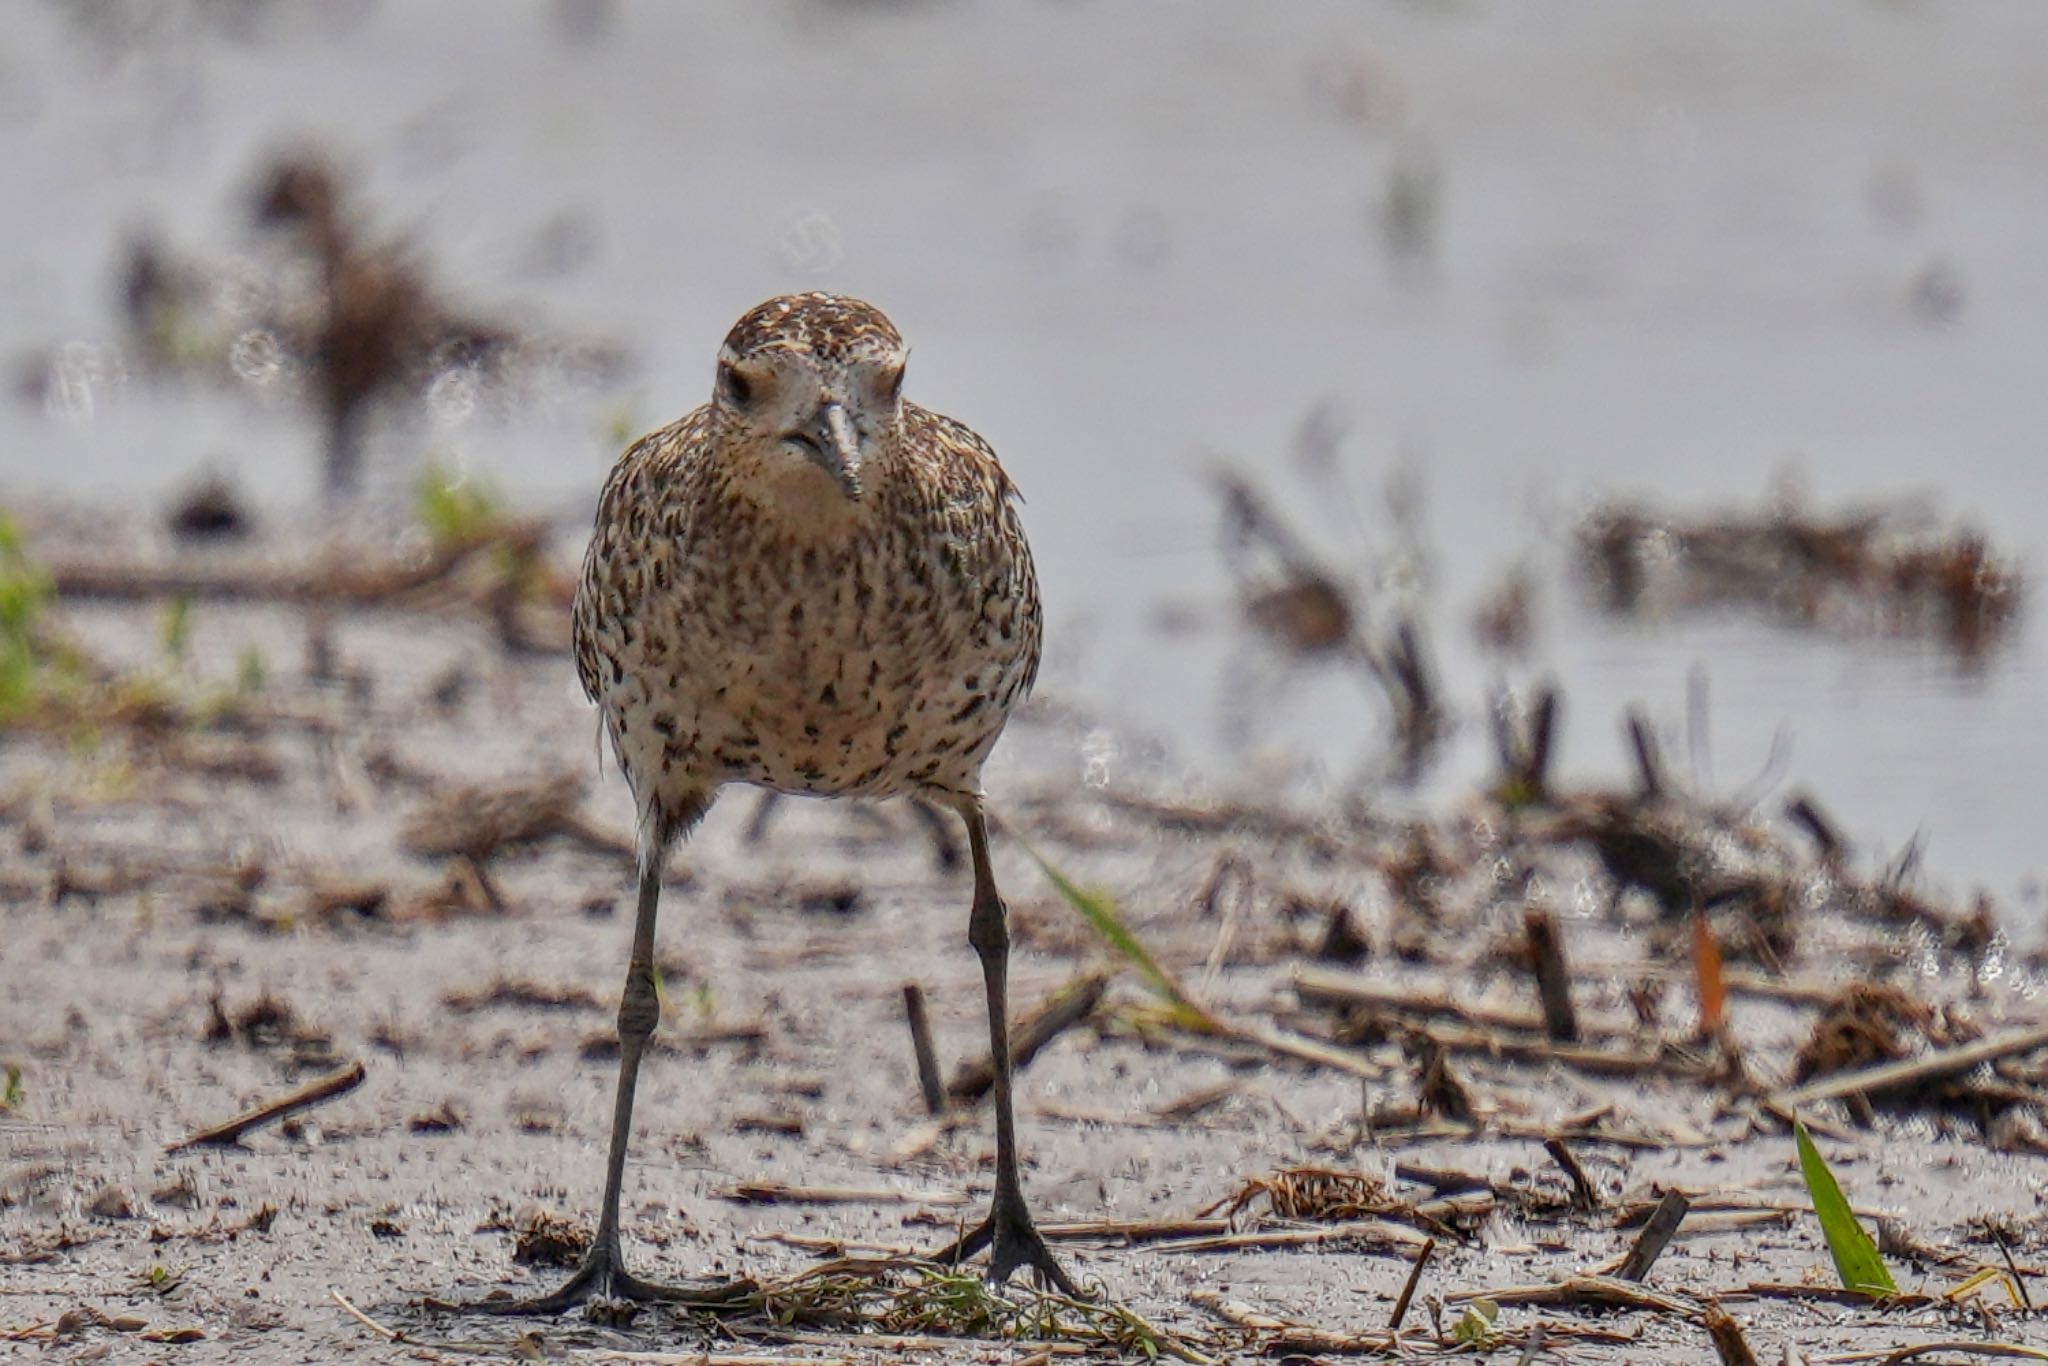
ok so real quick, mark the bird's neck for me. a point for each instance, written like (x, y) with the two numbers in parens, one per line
(795, 500)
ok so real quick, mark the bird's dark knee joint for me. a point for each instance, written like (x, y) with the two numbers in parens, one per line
(988, 929)
(637, 1019)
(639, 1008)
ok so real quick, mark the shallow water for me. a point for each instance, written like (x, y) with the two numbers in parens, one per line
(1673, 253)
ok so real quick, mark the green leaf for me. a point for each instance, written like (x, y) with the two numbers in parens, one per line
(1478, 1326)
(1856, 1258)
(1099, 910)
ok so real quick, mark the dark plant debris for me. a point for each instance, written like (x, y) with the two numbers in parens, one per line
(1873, 572)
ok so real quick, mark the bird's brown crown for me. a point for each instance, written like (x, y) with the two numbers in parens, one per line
(831, 327)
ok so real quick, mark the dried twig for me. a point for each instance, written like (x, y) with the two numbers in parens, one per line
(776, 1193)
(1658, 1231)
(388, 1334)
(333, 579)
(1586, 1290)
(2009, 1350)
(869, 1343)
(1642, 743)
(1893, 1076)
(1804, 811)
(319, 1089)
(1833, 1294)
(1132, 1230)
(2019, 1282)
(1729, 1343)
(707, 1358)
(928, 1079)
(1291, 1338)
(1597, 1061)
(1064, 1009)
(1553, 979)
(1585, 1195)
(1325, 987)
(1380, 1232)
(1304, 1049)
(1408, 1286)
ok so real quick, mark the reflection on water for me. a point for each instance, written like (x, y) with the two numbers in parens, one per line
(1537, 256)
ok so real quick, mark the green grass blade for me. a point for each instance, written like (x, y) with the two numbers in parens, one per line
(458, 509)
(1856, 1258)
(1099, 910)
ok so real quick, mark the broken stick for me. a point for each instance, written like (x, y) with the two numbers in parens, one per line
(1553, 979)
(1064, 1009)
(1892, 1076)
(1408, 1286)
(1642, 741)
(1585, 1195)
(1658, 1231)
(928, 1079)
(1729, 1344)
(335, 1083)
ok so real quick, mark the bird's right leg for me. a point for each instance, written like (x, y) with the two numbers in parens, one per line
(603, 1275)
(1008, 1233)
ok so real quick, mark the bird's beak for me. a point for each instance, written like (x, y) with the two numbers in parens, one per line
(831, 443)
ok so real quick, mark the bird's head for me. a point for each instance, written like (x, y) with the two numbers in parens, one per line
(814, 378)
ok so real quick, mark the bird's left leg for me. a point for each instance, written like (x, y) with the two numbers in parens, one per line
(1013, 1241)
(602, 1278)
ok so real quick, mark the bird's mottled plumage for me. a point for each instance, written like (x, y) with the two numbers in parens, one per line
(808, 585)
(829, 326)
(741, 619)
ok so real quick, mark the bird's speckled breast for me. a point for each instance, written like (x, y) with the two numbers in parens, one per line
(875, 649)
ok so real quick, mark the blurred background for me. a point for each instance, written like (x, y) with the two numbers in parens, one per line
(1445, 287)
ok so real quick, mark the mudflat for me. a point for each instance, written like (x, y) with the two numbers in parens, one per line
(254, 839)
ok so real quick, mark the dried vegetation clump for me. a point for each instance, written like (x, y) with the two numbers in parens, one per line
(1881, 572)
(319, 308)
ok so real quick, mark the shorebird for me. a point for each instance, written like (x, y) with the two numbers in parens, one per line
(814, 586)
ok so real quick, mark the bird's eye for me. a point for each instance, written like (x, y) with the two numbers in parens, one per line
(738, 388)
(890, 382)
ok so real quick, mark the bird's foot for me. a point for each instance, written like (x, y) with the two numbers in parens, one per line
(608, 1292)
(1013, 1241)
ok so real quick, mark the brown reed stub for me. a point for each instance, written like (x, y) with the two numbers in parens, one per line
(1585, 1191)
(1656, 1235)
(1342, 942)
(1729, 1343)
(1438, 1088)
(930, 1084)
(1553, 977)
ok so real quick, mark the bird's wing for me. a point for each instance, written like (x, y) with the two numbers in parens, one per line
(633, 524)
(976, 506)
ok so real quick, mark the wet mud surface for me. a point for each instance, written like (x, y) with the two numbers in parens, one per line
(327, 833)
